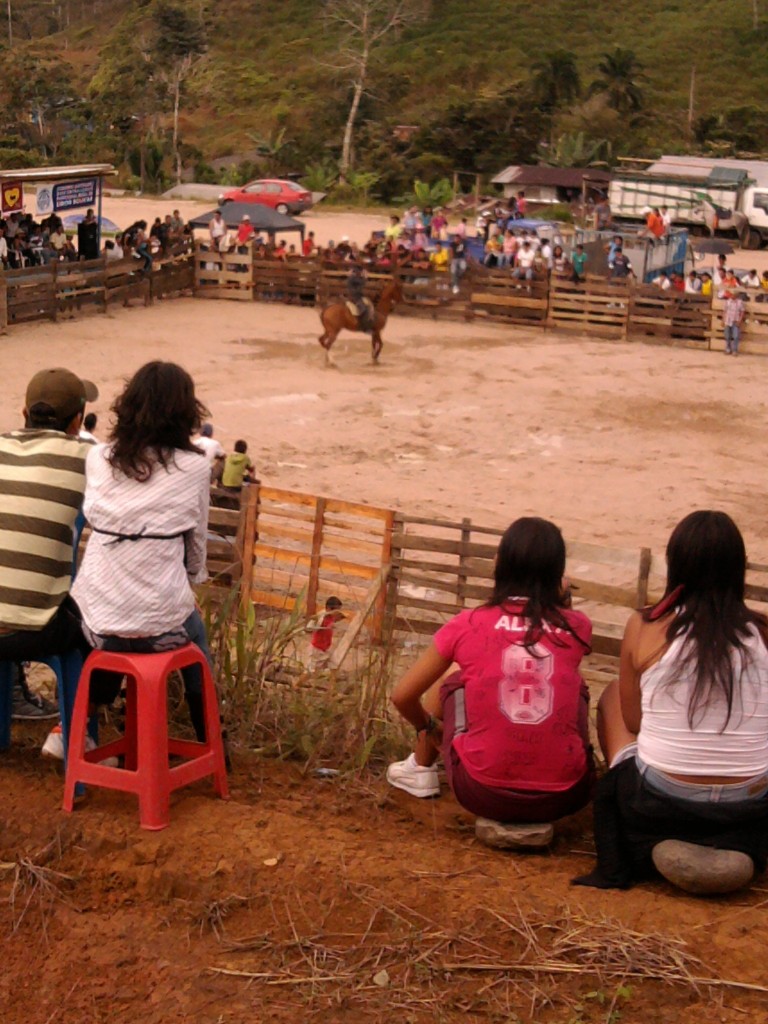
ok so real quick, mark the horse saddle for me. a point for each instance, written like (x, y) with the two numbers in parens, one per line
(363, 310)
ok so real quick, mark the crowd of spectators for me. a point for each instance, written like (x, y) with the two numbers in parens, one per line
(27, 242)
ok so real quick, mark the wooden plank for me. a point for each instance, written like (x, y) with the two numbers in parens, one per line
(353, 629)
(314, 565)
(281, 601)
(249, 539)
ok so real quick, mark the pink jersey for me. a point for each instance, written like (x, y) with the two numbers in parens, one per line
(525, 714)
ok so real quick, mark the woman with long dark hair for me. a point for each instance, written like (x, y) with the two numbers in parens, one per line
(146, 500)
(685, 730)
(512, 722)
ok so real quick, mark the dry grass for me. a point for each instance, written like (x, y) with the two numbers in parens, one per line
(389, 954)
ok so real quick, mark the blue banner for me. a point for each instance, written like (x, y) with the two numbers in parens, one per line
(66, 195)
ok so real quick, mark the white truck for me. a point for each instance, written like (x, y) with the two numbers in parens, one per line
(680, 182)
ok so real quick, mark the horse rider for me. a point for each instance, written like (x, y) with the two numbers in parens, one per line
(356, 295)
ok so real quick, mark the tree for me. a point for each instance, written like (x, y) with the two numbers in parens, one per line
(36, 97)
(365, 24)
(179, 43)
(621, 75)
(556, 79)
(575, 150)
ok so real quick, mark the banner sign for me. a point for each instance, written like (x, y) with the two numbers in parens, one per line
(66, 195)
(11, 196)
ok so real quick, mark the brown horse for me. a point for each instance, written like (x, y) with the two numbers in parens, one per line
(337, 317)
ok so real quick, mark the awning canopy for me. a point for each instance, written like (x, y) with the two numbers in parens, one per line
(263, 218)
(72, 173)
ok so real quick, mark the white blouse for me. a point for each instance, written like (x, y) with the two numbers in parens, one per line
(667, 742)
(141, 586)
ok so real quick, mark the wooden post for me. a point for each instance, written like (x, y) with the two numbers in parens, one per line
(466, 536)
(477, 192)
(455, 185)
(3, 304)
(314, 565)
(247, 543)
(54, 289)
(643, 573)
(377, 587)
(386, 559)
(390, 600)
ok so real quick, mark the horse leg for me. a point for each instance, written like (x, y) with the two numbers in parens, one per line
(376, 346)
(330, 337)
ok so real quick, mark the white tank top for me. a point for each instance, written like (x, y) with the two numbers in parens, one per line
(667, 742)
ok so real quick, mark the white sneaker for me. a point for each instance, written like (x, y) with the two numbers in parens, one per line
(414, 778)
(54, 747)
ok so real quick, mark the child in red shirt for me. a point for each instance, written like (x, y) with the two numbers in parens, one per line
(322, 633)
(512, 725)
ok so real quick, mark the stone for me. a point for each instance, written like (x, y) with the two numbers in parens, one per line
(513, 837)
(702, 870)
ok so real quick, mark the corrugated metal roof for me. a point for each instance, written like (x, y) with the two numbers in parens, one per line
(72, 173)
(557, 177)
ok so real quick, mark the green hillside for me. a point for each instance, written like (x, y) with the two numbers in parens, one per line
(483, 83)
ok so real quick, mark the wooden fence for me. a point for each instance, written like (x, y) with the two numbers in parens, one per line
(67, 289)
(594, 307)
(400, 577)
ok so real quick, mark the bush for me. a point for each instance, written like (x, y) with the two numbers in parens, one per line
(272, 704)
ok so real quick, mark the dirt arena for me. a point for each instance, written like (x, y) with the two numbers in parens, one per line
(343, 900)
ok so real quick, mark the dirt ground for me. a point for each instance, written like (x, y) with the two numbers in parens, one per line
(341, 899)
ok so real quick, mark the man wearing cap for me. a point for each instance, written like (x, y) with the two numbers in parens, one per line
(42, 480)
(245, 232)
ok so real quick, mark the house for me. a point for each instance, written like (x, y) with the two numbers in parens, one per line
(547, 185)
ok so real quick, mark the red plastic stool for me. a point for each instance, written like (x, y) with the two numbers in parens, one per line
(146, 745)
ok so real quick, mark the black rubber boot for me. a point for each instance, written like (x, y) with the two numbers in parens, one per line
(197, 717)
(196, 714)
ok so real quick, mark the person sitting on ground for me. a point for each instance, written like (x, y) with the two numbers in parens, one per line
(512, 723)
(238, 469)
(146, 500)
(685, 729)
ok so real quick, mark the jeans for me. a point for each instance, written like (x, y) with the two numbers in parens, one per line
(192, 630)
(699, 793)
(732, 337)
(458, 269)
(522, 272)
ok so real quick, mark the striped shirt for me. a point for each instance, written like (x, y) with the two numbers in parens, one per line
(141, 587)
(42, 479)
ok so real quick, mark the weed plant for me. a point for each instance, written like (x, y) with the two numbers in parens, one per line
(274, 704)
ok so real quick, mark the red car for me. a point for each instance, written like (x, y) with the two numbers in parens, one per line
(283, 196)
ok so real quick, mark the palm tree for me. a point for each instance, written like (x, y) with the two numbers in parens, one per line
(621, 74)
(556, 79)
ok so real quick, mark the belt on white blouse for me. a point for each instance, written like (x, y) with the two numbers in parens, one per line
(120, 537)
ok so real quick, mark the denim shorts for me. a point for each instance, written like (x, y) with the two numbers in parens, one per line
(696, 792)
